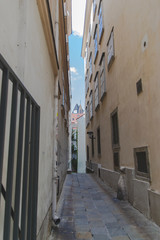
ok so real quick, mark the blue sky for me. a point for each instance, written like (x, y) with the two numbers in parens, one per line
(76, 61)
(77, 71)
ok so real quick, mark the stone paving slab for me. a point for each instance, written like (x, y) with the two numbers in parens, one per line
(90, 211)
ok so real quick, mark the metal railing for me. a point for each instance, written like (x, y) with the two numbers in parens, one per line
(19, 152)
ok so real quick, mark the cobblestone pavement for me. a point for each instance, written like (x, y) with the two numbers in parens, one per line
(92, 212)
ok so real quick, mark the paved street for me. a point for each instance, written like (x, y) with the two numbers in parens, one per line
(91, 211)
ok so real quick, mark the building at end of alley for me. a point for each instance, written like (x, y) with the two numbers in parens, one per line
(121, 58)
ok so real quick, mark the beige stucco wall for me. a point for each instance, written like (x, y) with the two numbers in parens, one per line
(139, 116)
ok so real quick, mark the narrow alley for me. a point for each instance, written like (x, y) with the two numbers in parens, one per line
(90, 210)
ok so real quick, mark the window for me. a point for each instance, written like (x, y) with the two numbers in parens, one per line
(87, 153)
(87, 114)
(115, 140)
(142, 162)
(98, 141)
(95, 43)
(96, 84)
(86, 50)
(91, 104)
(89, 35)
(115, 131)
(90, 67)
(101, 29)
(139, 86)
(102, 76)
(110, 46)
(86, 82)
(94, 8)
(92, 139)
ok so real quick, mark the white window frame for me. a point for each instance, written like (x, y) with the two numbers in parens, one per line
(100, 16)
(91, 104)
(96, 90)
(102, 76)
(95, 42)
(110, 49)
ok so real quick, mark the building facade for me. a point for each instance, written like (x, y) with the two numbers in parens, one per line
(34, 114)
(77, 113)
(81, 168)
(120, 50)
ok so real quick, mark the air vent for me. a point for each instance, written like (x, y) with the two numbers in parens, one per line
(139, 86)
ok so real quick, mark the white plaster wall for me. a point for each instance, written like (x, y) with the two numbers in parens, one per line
(81, 145)
(63, 151)
(23, 45)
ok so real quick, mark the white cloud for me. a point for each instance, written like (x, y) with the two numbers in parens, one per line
(78, 11)
(73, 70)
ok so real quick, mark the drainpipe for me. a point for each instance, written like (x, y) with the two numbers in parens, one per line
(55, 218)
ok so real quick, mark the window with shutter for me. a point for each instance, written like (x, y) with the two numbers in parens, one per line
(86, 82)
(96, 91)
(91, 104)
(90, 66)
(101, 29)
(110, 49)
(94, 8)
(102, 77)
(87, 114)
(95, 43)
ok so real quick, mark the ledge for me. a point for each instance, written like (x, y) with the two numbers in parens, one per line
(45, 14)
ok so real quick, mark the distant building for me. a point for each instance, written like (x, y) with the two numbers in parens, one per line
(77, 113)
(81, 166)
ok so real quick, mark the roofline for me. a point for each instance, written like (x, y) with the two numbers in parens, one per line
(86, 26)
(80, 116)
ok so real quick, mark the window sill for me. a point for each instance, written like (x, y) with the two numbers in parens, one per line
(142, 176)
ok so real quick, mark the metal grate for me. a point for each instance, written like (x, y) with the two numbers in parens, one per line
(19, 183)
(142, 162)
(141, 157)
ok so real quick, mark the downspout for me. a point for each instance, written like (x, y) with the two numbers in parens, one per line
(55, 218)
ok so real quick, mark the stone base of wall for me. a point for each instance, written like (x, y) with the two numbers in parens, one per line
(139, 193)
(94, 167)
(46, 227)
(110, 177)
(140, 199)
(154, 200)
